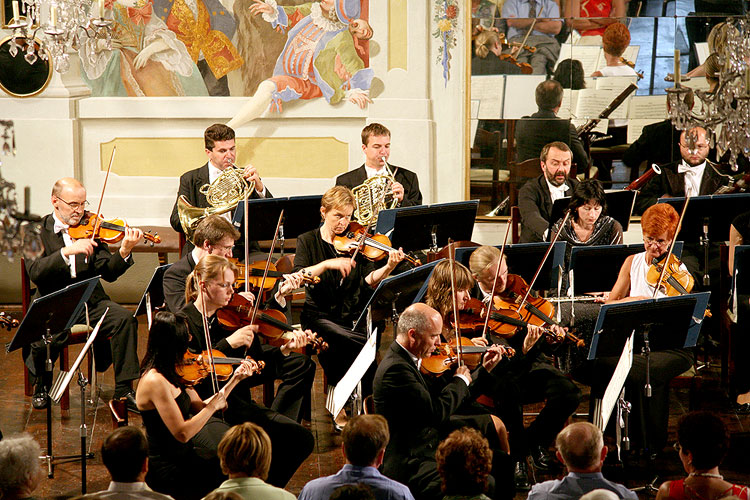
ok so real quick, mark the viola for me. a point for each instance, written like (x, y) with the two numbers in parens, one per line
(108, 231)
(271, 323)
(525, 68)
(193, 367)
(374, 247)
(445, 356)
(536, 311)
(255, 275)
(7, 322)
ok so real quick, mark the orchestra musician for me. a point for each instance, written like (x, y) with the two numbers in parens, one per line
(215, 235)
(333, 305)
(739, 234)
(487, 52)
(533, 377)
(376, 145)
(222, 153)
(208, 289)
(542, 18)
(658, 225)
(66, 261)
(182, 431)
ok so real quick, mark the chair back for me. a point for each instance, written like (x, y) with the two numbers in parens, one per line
(520, 173)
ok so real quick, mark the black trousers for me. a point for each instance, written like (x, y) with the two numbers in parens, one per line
(297, 374)
(344, 345)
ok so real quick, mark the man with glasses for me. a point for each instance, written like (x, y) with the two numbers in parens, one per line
(66, 261)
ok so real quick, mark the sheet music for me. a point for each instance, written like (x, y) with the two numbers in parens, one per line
(474, 124)
(519, 95)
(601, 127)
(635, 127)
(340, 394)
(702, 51)
(631, 54)
(612, 393)
(589, 56)
(591, 102)
(648, 106)
(488, 91)
(568, 104)
(618, 83)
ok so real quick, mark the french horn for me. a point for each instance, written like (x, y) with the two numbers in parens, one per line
(372, 196)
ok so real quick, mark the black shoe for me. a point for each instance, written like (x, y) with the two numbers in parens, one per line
(541, 459)
(743, 409)
(39, 400)
(129, 398)
(521, 476)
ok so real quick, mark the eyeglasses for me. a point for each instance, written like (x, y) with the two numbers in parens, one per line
(649, 241)
(223, 285)
(226, 248)
(74, 205)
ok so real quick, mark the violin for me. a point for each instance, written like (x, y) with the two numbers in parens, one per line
(255, 273)
(627, 62)
(374, 247)
(536, 311)
(108, 231)
(193, 368)
(445, 356)
(675, 282)
(272, 323)
(7, 322)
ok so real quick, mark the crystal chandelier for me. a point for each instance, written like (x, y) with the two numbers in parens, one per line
(68, 26)
(724, 112)
(19, 231)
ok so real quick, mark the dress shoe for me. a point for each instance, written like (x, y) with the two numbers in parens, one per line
(743, 409)
(541, 459)
(521, 476)
(39, 400)
(129, 398)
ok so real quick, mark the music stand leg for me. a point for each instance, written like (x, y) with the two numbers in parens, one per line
(646, 351)
(82, 381)
(47, 340)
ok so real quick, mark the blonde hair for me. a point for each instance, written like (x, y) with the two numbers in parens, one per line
(438, 294)
(482, 258)
(245, 448)
(208, 268)
(484, 41)
(337, 197)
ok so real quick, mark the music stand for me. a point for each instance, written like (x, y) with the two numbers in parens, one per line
(154, 294)
(428, 226)
(394, 294)
(301, 214)
(619, 206)
(47, 315)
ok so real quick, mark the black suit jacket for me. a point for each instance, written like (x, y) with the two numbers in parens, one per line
(659, 143)
(174, 282)
(190, 185)
(50, 272)
(672, 183)
(535, 205)
(407, 178)
(535, 131)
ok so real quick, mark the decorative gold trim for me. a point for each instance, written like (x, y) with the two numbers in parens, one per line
(48, 63)
(467, 99)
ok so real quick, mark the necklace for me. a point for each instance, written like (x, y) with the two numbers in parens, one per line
(706, 474)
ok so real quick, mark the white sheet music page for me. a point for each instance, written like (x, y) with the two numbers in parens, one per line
(591, 103)
(589, 55)
(631, 54)
(648, 106)
(519, 95)
(488, 90)
(618, 83)
(354, 374)
(612, 393)
(635, 127)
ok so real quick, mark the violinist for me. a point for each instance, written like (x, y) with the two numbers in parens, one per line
(66, 261)
(216, 236)
(208, 288)
(532, 378)
(182, 431)
(488, 47)
(334, 305)
(658, 225)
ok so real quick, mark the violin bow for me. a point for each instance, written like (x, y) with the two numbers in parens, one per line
(207, 340)
(671, 247)
(256, 305)
(101, 197)
(452, 261)
(494, 283)
(525, 38)
(544, 259)
(246, 233)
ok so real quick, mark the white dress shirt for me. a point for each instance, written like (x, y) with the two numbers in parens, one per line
(693, 177)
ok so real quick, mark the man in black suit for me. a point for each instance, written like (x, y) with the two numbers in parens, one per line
(376, 144)
(536, 197)
(66, 261)
(221, 152)
(419, 411)
(543, 127)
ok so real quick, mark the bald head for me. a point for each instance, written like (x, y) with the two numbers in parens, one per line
(68, 183)
(581, 447)
(694, 146)
(419, 329)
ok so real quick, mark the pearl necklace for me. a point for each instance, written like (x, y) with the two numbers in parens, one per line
(706, 474)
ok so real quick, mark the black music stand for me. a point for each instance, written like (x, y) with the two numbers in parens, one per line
(394, 294)
(301, 214)
(619, 206)
(46, 316)
(154, 294)
(428, 226)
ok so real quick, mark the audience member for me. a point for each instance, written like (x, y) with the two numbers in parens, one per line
(353, 492)
(364, 440)
(464, 461)
(544, 14)
(245, 456)
(20, 471)
(580, 446)
(702, 443)
(125, 454)
(600, 494)
(591, 17)
(223, 495)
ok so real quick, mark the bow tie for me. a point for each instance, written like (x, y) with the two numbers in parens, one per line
(682, 168)
(59, 227)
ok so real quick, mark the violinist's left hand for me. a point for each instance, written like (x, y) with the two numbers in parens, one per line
(298, 341)
(398, 191)
(290, 283)
(492, 357)
(132, 236)
(246, 369)
(251, 175)
(394, 257)
(249, 296)
(559, 334)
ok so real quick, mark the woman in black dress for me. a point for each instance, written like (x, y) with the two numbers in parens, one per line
(739, 234)
(179, 425)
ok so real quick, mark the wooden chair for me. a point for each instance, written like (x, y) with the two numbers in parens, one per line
(118, 410)
(486, 162)
(78, 334)
(520, 173)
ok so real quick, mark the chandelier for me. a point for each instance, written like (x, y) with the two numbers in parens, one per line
(19, 231)
(725, 111)
(67, 26)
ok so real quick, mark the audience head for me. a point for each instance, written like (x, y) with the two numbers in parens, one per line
(359, 491)
(464, 461)
(616, 39)
(364, 440)
(600, 494)
(167, 343)
(439, 288)
(580, 446)
(483, 265)
(209, 271)
(125, 454)
(245, 451)
(216, 235)
(485, 41)
(588, 202)
(556, 160)
(419, 329)
(20, 470)
(702, 440)
(694, 146)
(570, 74)
(549, 95)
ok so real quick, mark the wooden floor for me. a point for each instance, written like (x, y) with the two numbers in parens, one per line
(18, 416)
